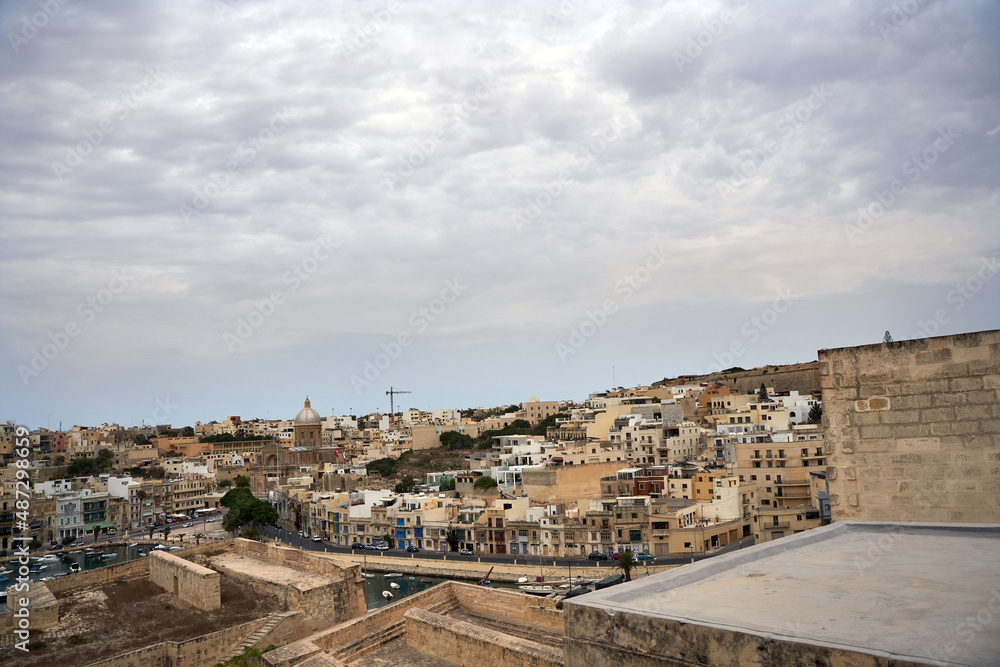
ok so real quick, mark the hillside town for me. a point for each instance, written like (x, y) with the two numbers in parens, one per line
(675, 468)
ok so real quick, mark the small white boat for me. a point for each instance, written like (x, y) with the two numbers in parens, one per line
(368, 575)
(522, 580)
(110, 555)
(394, 584)
(393, 575)
(536, 590)
(387, 595)
(74, 567)
(48, 558)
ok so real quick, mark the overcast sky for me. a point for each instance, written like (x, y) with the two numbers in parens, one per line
(216, 208)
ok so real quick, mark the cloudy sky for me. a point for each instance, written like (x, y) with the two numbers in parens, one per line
(216, 208)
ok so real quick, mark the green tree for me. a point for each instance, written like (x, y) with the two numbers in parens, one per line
(242, 481)
(68, 540)
(187, 432)
(816, 413)
(406, 486)
(762, 396)
(455, 440)
(485, 483)
(232, 522)
(626, 563)
(225, 483)
(166, 533)
(151, 529)
(452, 539)
(59, 460)
(141, 440)
(384, 466)
(447, 484)
(197, 539)
(262, 514)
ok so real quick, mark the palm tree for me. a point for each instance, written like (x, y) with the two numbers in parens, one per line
(197, 539)
(626, 563)
(151, 529)
(166, 533)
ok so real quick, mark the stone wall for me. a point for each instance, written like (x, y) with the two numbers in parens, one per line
(42, 609)
(913, 429)
(189, 581)
(510, 605)
(201, 651)
(804, 378)
(440, 597)
(468, 644)
(133, 569)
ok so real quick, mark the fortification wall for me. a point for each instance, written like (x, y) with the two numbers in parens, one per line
(196, 652)
(511, 605)
(468, 644)
(133, 569)
(804, 378)
(189, 581)
(913, 429)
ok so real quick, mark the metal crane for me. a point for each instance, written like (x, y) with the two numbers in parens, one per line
(392, 405)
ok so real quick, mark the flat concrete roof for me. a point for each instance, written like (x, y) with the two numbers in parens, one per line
(924, 592)
(268, 571)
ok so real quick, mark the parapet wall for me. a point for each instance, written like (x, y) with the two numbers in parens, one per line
(191, 582)
(913, 429)
(510, 605)
(196, 652)
(133, 569)
(469, 644)
(804, 378)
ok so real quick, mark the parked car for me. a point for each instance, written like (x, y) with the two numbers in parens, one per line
(188, 525)
(381, 547)
(357, 545)
(616, 556)
(316, 538)
(466, 552)
(302, 533)
(642, 555)
(413, 549)
(597, 555)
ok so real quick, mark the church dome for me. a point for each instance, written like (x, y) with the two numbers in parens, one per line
(307, 415)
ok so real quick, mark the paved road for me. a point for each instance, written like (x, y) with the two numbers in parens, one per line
(291, 537)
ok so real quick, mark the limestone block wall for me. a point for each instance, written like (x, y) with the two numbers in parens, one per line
(43, 609)
(512, 605)
(913, 429)
(202, 651)
(191, 582)
(469, 644)
(133, 569)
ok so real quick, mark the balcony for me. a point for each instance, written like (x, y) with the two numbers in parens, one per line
(776, 526)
